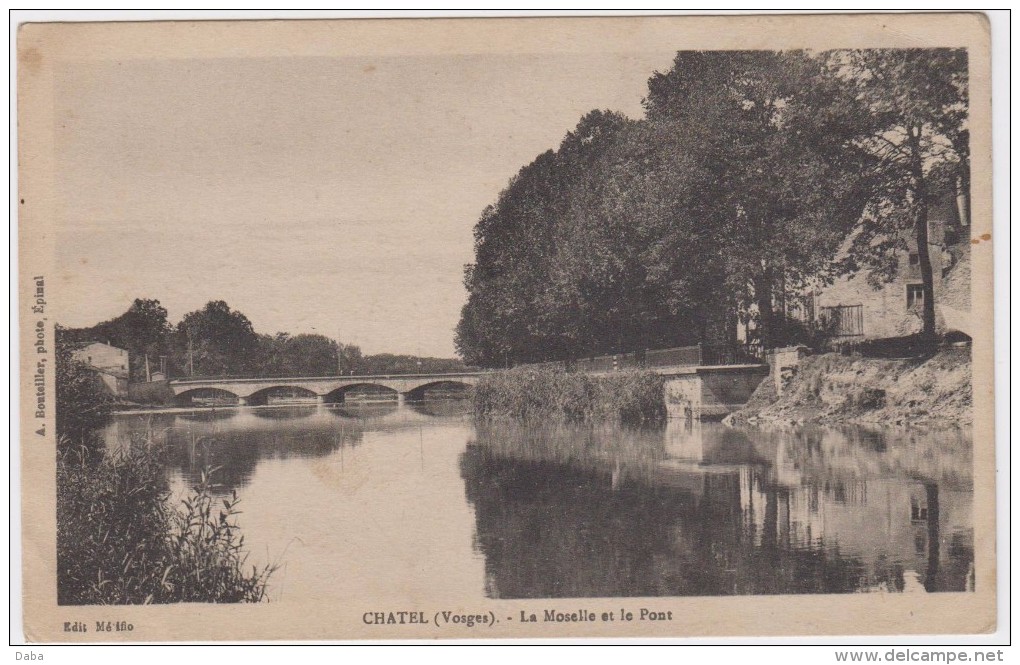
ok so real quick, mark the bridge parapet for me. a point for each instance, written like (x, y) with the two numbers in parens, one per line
(321, 386)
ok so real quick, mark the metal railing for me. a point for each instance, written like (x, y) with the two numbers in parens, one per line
(608, 363)
(681, 356)
(732, 354)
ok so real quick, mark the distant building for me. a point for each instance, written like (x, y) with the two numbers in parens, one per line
(110, 363)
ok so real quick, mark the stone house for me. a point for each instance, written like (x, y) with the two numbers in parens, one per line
(111, 365)
(893, 309)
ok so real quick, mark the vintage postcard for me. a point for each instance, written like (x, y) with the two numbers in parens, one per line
(506, 328)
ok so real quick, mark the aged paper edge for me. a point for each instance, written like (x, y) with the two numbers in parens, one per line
(42, 45)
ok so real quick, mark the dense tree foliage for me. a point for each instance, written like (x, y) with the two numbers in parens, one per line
(350, 359)
(568, 261)
(771, 132)
(391, 363)
(743, 184)
(298, 355)
(82, 404)
(219, 341)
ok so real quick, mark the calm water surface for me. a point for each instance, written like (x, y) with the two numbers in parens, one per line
(432, 505)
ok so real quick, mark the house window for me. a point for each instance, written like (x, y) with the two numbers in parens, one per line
(914, 259)
(918, 511)
(915, 296)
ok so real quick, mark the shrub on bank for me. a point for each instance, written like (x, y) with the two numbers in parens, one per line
(156, 393)
(83, 405)
(525, 393)
(121, 541)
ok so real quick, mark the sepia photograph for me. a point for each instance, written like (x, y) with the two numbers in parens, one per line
(506, 328)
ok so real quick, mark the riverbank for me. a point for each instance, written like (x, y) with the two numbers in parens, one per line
(832, 388)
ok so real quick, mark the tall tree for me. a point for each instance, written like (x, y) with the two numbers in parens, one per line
(782, 191)
(512, 243)
(271, 354)
(310, 355)
(634, 267)
(512, 315)
(217, 340)
(916, 103)
(349, 359)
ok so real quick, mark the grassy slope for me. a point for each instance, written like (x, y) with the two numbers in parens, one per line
(836, 388)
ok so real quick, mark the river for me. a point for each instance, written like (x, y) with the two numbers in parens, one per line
(417, 502)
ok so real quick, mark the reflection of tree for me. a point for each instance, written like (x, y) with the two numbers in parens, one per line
(549, 529)
(235, 446)
(235, 454)
(783, 510)
(931, 491)
(547, 532)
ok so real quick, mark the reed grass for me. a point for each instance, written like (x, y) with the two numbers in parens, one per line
(528, 393)
(122, 540)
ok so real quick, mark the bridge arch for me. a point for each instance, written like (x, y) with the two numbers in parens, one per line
(418, 393)
(206, 396)
(262, 396)
(372, 389)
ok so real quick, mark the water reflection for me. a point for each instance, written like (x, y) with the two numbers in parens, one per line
(710, 510)
(436, 504)
(333, 494)
(440, 408)
(234, 441)
(363, 411)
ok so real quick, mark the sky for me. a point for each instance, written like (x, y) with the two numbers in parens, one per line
(315, 195)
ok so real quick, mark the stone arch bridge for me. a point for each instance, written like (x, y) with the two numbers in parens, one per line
(324, 389)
